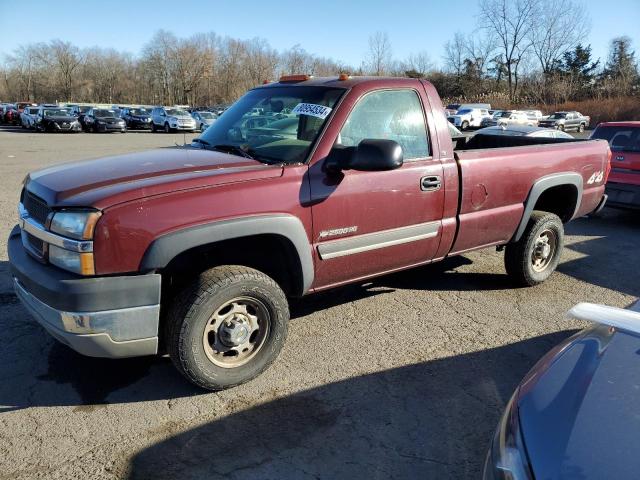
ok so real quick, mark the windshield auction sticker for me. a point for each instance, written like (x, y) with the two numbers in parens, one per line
(312, 110)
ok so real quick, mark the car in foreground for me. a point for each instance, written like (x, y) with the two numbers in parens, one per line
(623, 186)
(566, 121)
(102, 120)
(56, 119)
(204, 119)
(138, 118)
(523, 131)
(171, 119)
(217, 235)
(575, 415)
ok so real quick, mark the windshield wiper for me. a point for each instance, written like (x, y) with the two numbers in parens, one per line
(202, 142)
(228, 148)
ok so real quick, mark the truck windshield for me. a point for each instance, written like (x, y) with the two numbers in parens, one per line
(253, 124)
(558, 116)
(464, 111)
(621, 139)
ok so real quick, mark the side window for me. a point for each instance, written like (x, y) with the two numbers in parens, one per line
(391, 115)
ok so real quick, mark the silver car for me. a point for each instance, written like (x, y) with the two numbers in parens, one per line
(171, 119)
(204, 119)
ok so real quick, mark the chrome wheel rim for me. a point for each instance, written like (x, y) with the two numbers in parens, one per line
(544, 249)
(236, 332)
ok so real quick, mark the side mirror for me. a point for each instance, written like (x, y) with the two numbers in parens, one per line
(371, 155)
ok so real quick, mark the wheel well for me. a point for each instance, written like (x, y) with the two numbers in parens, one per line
(271, 254)
(561, 200)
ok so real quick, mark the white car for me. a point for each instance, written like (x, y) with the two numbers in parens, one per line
(469, 117)
(171, 119)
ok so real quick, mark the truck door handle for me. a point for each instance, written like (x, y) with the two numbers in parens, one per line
(430, 184)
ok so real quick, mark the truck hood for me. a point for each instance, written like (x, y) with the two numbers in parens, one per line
(578, 408)
(107, 181)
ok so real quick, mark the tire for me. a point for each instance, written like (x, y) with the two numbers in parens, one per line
(167, 128)
(525, 260)
(153, 127)
(192, 311)
(581, 128)
(464, 126)
(561, 127)
(201, 128)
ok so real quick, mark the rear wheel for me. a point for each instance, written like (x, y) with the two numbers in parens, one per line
(227, 327)
(533, 258)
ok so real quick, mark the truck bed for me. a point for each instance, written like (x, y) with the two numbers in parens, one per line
(491, 209)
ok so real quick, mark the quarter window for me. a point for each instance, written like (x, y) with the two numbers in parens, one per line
(392, 115)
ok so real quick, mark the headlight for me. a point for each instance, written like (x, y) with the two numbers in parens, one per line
(78, 225)
(173, 119)
(507, 458)
(76, 262)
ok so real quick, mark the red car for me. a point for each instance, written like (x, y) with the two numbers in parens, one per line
(194, 251)
(623, 186)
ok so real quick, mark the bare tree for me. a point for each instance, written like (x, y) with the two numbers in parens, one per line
(558, 28)
(420, 63)
(379, 57)
(455, 54)
(511, 21)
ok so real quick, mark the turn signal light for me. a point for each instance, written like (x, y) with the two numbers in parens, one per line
(294, 78)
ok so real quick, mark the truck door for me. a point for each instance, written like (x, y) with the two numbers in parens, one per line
(371, 222)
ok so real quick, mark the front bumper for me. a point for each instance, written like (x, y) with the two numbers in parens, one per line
(178, 126)
(111, 127)
(139, 125)
(111, 317)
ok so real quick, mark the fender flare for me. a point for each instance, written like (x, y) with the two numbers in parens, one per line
(165, 248)
(542, 185)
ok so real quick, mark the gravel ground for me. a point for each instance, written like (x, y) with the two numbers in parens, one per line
(401, 377)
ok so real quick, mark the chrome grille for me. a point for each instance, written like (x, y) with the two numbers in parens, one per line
(36, 207)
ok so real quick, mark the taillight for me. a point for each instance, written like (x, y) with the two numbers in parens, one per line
(607, 169)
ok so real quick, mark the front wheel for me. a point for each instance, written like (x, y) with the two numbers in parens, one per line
(227, 327)
(533, 258)
(464, 126)
(167, 128)
(581, 128)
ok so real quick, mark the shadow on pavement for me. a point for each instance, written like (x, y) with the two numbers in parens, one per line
(429, 420)
(609, 260)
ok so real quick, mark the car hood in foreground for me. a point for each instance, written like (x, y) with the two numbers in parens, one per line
(579, 408)
(106, 181)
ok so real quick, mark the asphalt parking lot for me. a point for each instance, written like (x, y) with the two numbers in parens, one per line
(401, 377)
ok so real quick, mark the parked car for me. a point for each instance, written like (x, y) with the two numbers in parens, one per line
(575, 414)
(469, 117)
(104, 120)
(535, 115)
(10, 115)
(29, 116)
(79, 111)
(566, 121)
(56, 119)
(523, 131)
(507, 118)
(170, 119)
(623, 186)
(219, 234)
(204, 119)
(138, 118)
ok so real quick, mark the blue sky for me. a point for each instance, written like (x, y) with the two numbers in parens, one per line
(337, 29)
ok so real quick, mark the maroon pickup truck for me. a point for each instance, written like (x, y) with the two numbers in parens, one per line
(302, 185)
